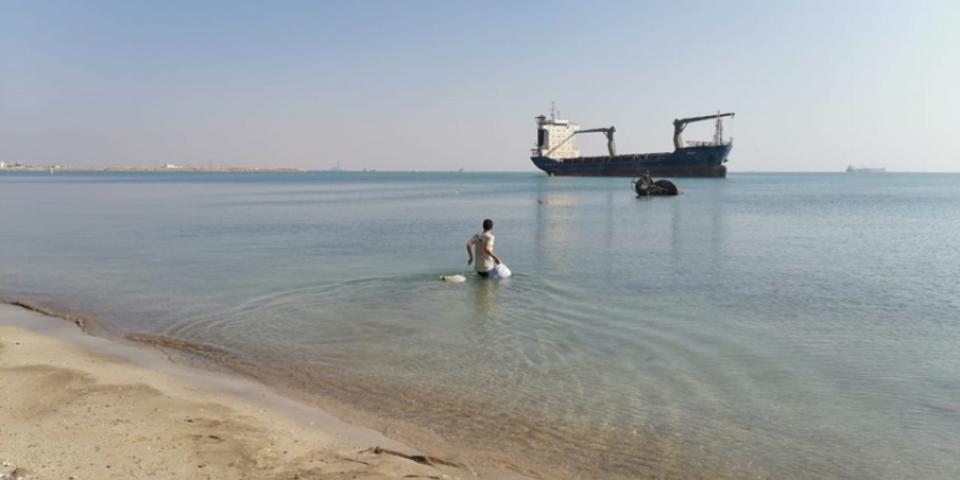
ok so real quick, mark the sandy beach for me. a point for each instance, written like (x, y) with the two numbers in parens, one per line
(75, 406)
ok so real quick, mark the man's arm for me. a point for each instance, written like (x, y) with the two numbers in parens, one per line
(487, 248)
(470, 251)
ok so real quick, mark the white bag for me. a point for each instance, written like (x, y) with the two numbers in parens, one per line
(500, 272)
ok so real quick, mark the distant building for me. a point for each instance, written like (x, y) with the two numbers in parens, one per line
(171, 166)
(3, 164)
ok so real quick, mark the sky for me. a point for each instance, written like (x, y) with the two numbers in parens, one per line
(442, 85)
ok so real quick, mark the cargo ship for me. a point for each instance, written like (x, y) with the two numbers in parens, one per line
(556, 152)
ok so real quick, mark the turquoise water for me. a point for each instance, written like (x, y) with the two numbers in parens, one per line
(764, 325)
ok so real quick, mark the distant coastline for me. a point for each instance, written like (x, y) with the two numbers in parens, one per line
(165, 169)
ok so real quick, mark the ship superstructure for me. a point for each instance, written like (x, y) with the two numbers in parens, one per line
(555, 137)
(556, 151)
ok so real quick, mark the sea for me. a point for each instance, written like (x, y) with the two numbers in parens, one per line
(768, 325)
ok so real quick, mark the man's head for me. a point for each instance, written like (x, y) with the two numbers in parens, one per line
(487, 225)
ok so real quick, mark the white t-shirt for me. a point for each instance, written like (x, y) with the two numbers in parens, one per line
(483, 262)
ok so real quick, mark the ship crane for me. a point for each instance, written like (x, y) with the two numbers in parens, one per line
(681, 123)
(608, 132)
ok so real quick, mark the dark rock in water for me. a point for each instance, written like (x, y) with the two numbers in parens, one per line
(645, 186)
(667, 187)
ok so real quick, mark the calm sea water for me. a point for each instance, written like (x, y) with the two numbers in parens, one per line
(767, 325)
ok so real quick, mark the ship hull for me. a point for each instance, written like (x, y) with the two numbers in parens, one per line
(701, 161)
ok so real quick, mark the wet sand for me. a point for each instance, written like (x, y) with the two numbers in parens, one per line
(83, 407)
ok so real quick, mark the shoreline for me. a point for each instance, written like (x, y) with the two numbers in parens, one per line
(69, 391)
(372, 426)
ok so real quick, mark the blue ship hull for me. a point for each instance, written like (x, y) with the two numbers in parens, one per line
(701, 161)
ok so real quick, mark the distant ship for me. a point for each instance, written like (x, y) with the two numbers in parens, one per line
(852, 169)
(556, 152)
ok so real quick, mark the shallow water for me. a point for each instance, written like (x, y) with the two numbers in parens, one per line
(801, 325)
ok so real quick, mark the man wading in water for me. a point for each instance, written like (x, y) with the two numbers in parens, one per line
(481, 244)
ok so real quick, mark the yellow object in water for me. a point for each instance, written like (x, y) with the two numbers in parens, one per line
(453, 278)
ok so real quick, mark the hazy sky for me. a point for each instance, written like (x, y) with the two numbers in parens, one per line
(443, 85)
